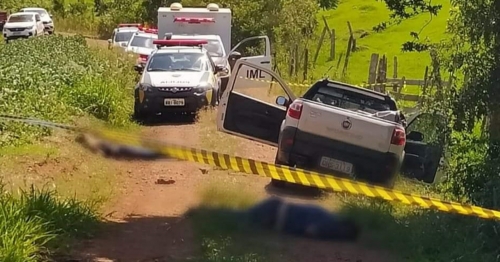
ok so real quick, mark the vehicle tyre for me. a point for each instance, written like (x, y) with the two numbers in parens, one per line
(278, 183)
(223, 85)
(383, 179)
(215, 98)
(138, 116)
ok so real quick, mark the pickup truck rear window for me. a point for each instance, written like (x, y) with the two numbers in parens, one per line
(348, 99)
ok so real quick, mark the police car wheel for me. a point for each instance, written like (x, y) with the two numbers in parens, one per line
(138, 115)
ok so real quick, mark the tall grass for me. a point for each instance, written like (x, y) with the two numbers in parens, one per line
(34, 223)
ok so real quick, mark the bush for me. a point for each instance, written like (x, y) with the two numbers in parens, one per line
(58, 77)
(34, 223)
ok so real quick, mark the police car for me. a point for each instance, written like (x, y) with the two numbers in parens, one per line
(122, 34)
(141, 43)
(179, 77)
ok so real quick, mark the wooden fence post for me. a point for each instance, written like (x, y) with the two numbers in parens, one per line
(306, 64)
(395, 73)
(352, 39)
(320, 43)
(372, 70)
(332, 44)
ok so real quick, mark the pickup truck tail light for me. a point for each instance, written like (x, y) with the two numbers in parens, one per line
(295, 110)
(398, 136)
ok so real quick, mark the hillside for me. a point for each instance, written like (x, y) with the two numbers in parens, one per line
(363, 15)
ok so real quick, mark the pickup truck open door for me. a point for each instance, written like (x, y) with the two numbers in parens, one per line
(424, 150)
(248, 108)
(264, 60)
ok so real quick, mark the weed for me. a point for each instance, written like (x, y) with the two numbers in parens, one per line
(35, 222)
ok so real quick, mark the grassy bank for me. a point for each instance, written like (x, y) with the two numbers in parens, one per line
(52, 190)
(36, 224)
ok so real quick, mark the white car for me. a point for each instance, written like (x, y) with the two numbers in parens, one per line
(141, 43)
(179, 77)
(122, 34)
(44, 15)
(23, 25)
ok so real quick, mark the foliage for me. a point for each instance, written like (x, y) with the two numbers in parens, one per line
(328, 4)
(58, 77)
(32, 223)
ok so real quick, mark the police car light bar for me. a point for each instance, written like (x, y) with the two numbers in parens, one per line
(191, 20)
(151, 31)
(161, 42)
(129, 25)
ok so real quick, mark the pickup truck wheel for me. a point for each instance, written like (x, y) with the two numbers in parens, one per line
(387, 181)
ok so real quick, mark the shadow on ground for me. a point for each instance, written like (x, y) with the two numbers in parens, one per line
(166, 120)
(139, 238)
(211, 234)
(296, 191)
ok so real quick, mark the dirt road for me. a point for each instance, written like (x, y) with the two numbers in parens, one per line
(145, 217)
(145, 220)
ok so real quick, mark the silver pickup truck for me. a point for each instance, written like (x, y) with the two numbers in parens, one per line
(334, 128)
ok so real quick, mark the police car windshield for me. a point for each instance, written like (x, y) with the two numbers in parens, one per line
(21, 18)
(176, 62)
(143, 41)
(214, 48)
(123, 36)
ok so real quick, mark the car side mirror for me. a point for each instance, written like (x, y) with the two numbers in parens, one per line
(281, 101)
(221, 70)
(415, 136)
(109, 41)
(235, 55)
(138, 68)
(50, 16)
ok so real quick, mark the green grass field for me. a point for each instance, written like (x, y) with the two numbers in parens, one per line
(363, 15)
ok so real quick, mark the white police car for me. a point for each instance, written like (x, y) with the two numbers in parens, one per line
(179, 77)
(122, 34)
(141, 44)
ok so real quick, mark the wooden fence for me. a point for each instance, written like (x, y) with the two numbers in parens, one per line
(378, 80)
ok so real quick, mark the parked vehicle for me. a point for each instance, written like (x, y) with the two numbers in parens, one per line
(23, 25)
(45, 16)
(333, 128)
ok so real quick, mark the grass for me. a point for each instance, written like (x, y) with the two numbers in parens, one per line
(363, 16)
(36, 224)
(52, 190)
(410, 234)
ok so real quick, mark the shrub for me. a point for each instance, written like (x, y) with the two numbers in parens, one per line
(58, 77)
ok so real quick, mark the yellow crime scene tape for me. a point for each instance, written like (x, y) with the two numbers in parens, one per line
(284, 173)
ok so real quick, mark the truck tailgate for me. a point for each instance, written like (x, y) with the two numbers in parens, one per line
(365, 131)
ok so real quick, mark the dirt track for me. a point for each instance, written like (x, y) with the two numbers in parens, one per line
(145, 219)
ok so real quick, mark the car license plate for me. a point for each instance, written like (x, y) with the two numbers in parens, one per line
(16, 33)
(174, 102)
(336, 165)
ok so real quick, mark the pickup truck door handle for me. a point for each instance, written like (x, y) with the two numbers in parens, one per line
(265, 62)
